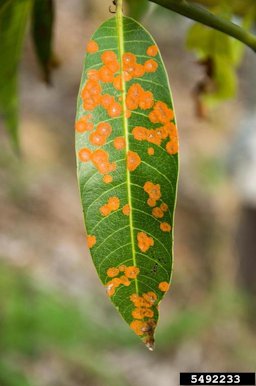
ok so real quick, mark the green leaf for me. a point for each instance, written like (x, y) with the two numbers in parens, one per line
(13, 20)
(126, 145)
(42, 29)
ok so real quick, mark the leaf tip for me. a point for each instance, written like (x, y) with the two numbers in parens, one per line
(150, 343)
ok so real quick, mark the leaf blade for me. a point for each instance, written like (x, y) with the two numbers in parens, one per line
(125, 235)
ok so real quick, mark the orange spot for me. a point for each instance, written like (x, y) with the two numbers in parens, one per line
(139, 133)
(150, 297)
(151, 202)
(107, 179)
(172, 147)
(106, 75)
(114, 203)
(128, 114)
(126, 210)
(107, 100)
(171, 129)
(100, 159)
(153, 137)
(105, 210)
(141, 301)
(150, 65)
(92, 47)
(152, 50)
(138, 327)
(158, 213)
(110, 288)
(114, 110)
(104, 128)
(146, 100)
(144, 241)
(153, 190)
(127, 76)
(133, 160)
(97, 139)
(164, 207)
(139, 71)
(91, 241)
(164, 286)
(122, 268)
(165, 227)
(108, 57)
(133, 96)
(117, 83)
(132, 272)
(113, 66)
(141, 313)
(119, 143)
(151, 151)
(93, 74)
(84, 155)
(116, 281)
(91, 94)
(125, 281)
(128, 59)
(83, 125)
(112, 272)
(161, 113)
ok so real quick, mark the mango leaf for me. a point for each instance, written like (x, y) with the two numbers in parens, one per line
(13, 20)
(127, 159)
(42, 30)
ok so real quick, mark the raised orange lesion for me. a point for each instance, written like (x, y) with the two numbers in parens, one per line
(137, 97)
(112, 272)
(151, 151)
(132, 272)
(164, 286)
(126, 210)
(133, 160)
(165, 227)
(119, 143)
(161, 113)
(164, 207)
(141, 313)
(83, 124)
(152, 50)
(153, 191)
(150, 65)
(138, 327)
(144, 241)
(157, 212)
(147, 300)
(84, 155)
(91, 240)
(111, 206)
(92, 47)
(100, 159)
(107, 179)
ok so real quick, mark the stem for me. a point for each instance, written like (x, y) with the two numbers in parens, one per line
(202, 15)
(119, 8)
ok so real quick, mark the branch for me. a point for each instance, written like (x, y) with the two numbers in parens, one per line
(202, 15)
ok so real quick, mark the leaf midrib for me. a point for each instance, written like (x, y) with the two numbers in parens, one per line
(120, 38)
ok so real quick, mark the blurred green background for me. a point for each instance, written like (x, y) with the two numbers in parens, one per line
(57, 327)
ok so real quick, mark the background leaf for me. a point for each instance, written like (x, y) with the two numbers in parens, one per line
(42, 29)
(126, 144)
(13, 20)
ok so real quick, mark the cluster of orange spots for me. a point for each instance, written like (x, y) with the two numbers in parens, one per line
(153, 191)
(151, 151)
(126, 210)
(91, 241)
(141, 313)
(130, 272)
(157, 212)
(100, 136)
(84, 155)
(152, 136)
(144, 241)
(110, 67)
(133, 160)
(138, 327)
(172, 147)
(163, 286)
(131, 68)
(112, 205)
(100, 159)
(91, 94)
(161, 113)
(119, 143)
(83, 124)
(147, 300)
(138, 97)
(107, 179)
(165, 227)
(92, 47)
(152, 50)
